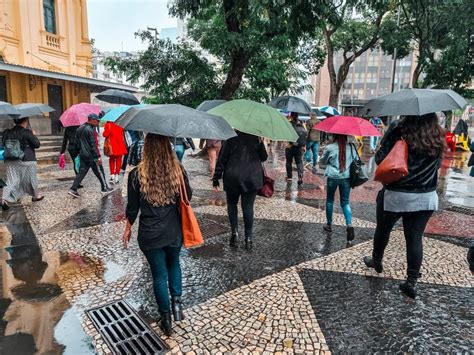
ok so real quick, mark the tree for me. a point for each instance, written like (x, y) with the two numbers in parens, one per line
(239, 32)
(173, 73)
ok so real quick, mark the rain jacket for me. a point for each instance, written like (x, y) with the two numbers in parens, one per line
(87, 142)
(116, 138)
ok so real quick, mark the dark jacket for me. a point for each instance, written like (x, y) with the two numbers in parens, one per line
(313, 134)
(240, 162)
(70, 140)
(28, 141)
(159, 226)
(422, 169)
(86, 140)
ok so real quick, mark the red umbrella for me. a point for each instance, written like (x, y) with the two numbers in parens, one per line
(348, 125)
(77, 114)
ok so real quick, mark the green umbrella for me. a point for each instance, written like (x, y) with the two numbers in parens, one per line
(257, 119)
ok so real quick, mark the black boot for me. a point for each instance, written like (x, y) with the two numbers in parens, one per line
(370, 262)
(408, 288)
(248, 242)
(165, 324)
(177, 307)
(233, 239)
(350, 234)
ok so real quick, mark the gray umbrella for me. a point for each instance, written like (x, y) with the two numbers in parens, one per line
(415, 102)
(209, 105)
(8, 111)
(32, 109)
(175, 121)
(115, 96)
(291, 104)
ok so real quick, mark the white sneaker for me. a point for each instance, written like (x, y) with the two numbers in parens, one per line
(112, 179)
(117, 179)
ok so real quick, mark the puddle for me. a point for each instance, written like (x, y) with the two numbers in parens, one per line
(113, 272)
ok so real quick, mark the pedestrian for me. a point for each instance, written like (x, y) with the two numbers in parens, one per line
(240, 165)
(374, 141)
(314, 137)
(89, 154)
(470, 258)
(153, 191)
(295, 150)
(130, 138)
(136, 150)
(19, 145)
(70, 144)
(213, 149)
(414, 197)
(181, 145)
(338, 156)
(115, 142)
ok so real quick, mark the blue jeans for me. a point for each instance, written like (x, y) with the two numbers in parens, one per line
(373, 143)
(179, 149)
(166, 274)
(344, 192)
(312, 147)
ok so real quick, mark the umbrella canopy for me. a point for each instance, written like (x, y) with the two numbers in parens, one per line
(8, 111)
(329, 110)
(115, 96)
(290, 104)
(257, 119)
(348, 125)
(414, 102)
(319, 114)
(115, 112)
(175, 121)
(33, 109)
(209, 105)
(77, 114)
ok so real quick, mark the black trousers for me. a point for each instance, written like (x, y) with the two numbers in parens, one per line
(73, 156)
(84, 169)
(414, 224)
(247, 202)
(296, 154)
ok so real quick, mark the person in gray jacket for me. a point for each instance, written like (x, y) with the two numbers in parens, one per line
(314, 137)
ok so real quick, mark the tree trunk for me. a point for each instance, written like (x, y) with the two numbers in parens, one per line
(416, 74)
(333, 91)
(239, 61)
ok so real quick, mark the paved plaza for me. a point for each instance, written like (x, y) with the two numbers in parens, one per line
(298, 291)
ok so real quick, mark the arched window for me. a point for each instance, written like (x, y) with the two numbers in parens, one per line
(49, 12)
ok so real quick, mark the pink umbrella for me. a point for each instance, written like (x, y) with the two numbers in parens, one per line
(348, 125)
(77, 114)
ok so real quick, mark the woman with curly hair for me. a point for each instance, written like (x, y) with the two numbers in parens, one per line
(153, 191)
(414, 197)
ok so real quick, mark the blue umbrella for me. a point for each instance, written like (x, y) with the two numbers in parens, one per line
(115, 112)
(329, 110)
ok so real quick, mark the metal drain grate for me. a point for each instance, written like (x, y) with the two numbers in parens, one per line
(211, 229)
(124, 331)
(461, 209)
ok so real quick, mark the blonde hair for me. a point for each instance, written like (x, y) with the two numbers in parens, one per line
(159, 171)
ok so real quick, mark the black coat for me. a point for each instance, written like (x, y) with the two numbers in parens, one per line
(422, 168)
(70, 140)
(87, 144)
(240, 164)
(28, 141)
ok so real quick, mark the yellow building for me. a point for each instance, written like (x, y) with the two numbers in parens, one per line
(45, 56)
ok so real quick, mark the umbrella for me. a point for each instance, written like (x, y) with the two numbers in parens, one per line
(257, 119)
(175, 121)
(115, 96)
(33, 109)
(414, 102)
(77, 114)
(209, 105)
(290, 104)
(8, 110)
(319, 114)
(115, 112)
(329, 110)
(348, 125)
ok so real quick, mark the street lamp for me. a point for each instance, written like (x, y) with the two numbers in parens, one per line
(153, 29)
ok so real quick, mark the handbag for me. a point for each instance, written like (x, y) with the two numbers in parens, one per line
(395, 165)
(62, 162)
(107, 147)
(357, 171)
(12, 150)
(268, 185)
(192, 235)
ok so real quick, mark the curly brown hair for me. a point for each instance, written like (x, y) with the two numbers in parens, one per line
(423, 134)
(159, 171)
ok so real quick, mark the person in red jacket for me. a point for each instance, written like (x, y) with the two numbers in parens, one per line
(116, 149)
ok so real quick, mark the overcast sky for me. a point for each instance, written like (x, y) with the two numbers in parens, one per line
(112, 23)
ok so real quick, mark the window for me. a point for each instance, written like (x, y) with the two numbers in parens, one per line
(49, 12)
(3, 88)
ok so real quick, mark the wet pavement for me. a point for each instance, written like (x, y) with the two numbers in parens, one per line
(299, 291)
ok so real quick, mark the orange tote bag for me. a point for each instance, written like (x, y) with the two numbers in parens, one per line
(395, 165)
(192, 236)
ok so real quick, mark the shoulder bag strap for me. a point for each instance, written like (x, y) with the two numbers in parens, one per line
(183, 196)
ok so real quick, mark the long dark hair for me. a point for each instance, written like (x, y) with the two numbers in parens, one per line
(341, 143)
(423, 134)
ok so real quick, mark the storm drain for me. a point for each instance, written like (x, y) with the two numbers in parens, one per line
(211, 229)
(124, 331)
(461, 209)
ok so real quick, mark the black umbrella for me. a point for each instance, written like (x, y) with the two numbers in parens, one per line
(115, 96)
(209, 105)
(33, 109)
(291, 104)
(175, 121)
